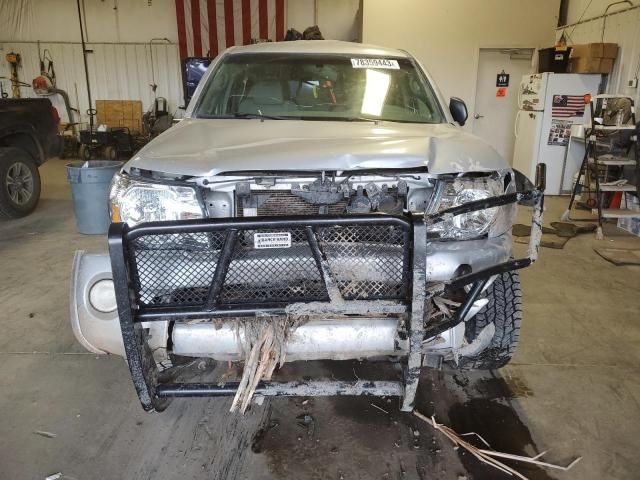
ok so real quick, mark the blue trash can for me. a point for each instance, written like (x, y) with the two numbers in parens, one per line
(90, 190)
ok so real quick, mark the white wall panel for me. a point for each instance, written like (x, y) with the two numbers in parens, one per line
(116, 72)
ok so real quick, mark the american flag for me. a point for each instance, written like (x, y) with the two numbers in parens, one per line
(567, 106)
(207, 27)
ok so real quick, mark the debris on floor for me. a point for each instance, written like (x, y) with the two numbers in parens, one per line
(555, 236)
(487, 455)
(379, 408)
(620, 256)
(568, 229)
(42, 433)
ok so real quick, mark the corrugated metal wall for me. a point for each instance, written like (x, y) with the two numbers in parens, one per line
(117, 71)
(623, 29)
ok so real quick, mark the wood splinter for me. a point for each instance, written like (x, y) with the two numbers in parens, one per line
(485, 455)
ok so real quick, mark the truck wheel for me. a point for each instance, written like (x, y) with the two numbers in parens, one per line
(504, 310)
(19, 183)
(84, 152)
(110, 153)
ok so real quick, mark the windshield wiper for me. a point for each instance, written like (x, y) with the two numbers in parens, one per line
(248, 115)
(256, 115)
(342, 119)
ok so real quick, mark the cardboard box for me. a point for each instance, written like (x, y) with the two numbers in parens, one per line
(593, 58)
(120, 113)
(595, 50)
(591, 65)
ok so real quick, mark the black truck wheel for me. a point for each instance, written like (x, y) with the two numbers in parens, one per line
(110, 153)
(505, 311)
(19, 183)
(84, 152)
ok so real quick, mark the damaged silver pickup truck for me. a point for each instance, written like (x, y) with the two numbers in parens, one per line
(317, 202)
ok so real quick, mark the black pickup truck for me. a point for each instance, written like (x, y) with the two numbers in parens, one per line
(28, 137)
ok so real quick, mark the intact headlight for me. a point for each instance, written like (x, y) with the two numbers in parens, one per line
(134, 201)
(493, 221)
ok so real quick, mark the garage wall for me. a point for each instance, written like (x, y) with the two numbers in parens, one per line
(446, 35)
(116, 71)
(337, 19)
(118, 32)
(107, 20)
(621, 28)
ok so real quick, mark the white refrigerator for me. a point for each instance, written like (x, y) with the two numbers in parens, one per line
(548, 104)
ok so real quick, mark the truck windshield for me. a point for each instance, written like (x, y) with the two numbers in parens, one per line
(312, 87)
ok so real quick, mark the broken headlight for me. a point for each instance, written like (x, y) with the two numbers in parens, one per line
(491, 222)
(133, 201)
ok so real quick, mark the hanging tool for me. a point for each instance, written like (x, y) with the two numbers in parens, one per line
(14, 61)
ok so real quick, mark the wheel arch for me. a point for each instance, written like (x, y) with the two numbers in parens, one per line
(23, 139)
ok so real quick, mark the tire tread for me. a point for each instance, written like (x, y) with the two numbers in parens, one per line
(505, 311)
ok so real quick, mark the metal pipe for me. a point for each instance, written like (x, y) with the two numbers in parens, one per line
(86, 68)
(597, 17)
(296, 389)
(470, 300)
(153, 74)
(604, 16)
(221, 269)
(334, 339)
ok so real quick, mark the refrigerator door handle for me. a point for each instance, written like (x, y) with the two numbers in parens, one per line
(515, 125)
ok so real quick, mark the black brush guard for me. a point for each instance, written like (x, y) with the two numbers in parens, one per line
(156, 265)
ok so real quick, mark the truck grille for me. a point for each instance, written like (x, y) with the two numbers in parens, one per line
(279, 203)
(367, 260)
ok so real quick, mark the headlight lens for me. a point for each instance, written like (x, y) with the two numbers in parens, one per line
(491, 221)
(133, 201)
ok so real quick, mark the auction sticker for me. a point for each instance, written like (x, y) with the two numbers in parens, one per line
(272, 240)
(375, 63)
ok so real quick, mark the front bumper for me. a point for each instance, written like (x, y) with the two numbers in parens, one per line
(371, 267)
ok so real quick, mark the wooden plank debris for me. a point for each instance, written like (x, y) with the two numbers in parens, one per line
(486, 455)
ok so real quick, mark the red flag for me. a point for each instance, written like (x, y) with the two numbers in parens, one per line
(207, 27)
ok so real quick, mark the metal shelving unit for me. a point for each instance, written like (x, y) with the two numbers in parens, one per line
(597, 163)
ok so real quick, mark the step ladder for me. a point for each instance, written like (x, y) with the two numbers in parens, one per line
(594, 163)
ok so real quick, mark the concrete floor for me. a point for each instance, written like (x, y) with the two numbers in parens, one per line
(573, 387)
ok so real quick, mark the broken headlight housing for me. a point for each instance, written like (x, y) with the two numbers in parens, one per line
(492, 222)
(135, 201)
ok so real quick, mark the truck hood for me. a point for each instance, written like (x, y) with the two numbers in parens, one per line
(207, 147)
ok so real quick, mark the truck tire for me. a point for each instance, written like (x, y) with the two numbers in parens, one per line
(84, 152)
(505, 311)
(111, 153)
(19, 183)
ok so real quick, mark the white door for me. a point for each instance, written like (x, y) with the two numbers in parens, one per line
(494, 115)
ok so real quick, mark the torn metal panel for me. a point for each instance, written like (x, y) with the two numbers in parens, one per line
(355, 307)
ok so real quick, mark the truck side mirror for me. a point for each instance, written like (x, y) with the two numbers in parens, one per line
(458, 110)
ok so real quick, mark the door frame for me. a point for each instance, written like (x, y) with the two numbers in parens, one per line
(476, 69)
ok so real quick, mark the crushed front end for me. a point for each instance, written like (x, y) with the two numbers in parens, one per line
(354, 283)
